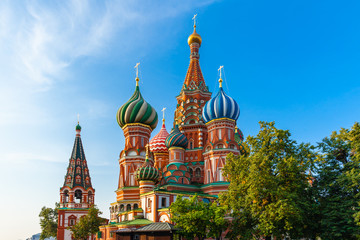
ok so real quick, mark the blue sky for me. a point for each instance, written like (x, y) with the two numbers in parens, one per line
(292, 62)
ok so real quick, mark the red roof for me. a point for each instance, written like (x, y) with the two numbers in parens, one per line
(157, 144)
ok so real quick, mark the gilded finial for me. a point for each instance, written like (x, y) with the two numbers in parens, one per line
(137, 73)
(220, 79)
(163, 110)
(78, 116)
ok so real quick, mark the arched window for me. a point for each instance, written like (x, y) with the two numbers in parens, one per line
(121, 208)
(90, 197)
(191, 145)
(78, 170)
(68, 179)
(116, 208)
(191, 172)
(197, 172)
(66, 196)
(135, 206)
(78, 196)
(78, 179)
(128, 207)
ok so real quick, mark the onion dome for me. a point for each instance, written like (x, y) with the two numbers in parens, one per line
(194, 37)
(147, 172)
(176, 173)
(78, 127)
(157, 144)
(176, 138)
(221, 106)
(239, 136)
(137, 110)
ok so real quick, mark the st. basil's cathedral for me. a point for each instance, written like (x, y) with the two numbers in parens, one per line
(154, 171)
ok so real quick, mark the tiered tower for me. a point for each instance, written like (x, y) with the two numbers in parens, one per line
(137, 118)
(220, 115)
(77, 193)
(188, 114)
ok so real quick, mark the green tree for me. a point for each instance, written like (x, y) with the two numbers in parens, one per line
(197, 218)
(217, 221)
(269, 192)
(48, 222)
(88, 224)
(191, 215)
(338, 182)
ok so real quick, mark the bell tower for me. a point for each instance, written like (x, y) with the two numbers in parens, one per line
(77, 193)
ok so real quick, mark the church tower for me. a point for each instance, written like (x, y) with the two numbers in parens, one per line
(138, 119)
(77, 193)
(188, 114)
(220, 115)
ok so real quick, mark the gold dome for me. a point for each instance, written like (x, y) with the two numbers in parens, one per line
(194, 38)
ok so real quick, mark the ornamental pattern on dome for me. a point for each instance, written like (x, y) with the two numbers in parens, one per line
(137, 110)
(157, 144)
(147, 172)
(176, 173)
(221, 106)
(176, 139)
(239, 138)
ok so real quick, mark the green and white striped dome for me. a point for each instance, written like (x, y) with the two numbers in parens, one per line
(147, 172)
(137, 110)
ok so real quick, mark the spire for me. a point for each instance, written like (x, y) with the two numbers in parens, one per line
(77, 171)
(194, 79)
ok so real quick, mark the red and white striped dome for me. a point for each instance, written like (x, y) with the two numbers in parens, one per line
(157, 144)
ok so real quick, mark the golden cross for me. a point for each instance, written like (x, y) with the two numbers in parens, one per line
(137, 73)
(220, 80)
(194, 18)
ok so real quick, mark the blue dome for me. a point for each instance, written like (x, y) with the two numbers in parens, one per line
(221, 106)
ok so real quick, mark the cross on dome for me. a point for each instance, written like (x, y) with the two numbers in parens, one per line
(137, 73)
(194, 18)
(163, 110)
(220, 79)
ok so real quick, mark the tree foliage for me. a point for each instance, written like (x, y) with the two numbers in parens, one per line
(48, 222)
(269, 191)
(88, 224)
(197, 218)
(338, 184)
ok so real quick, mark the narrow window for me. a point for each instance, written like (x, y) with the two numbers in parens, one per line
(220, 134)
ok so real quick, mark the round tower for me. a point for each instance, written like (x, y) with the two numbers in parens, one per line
(220, 115)
(137, 118)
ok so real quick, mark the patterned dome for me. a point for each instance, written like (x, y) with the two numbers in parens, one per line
(137, 110)
(147, 172)
(157, 144)
(176, 139)
(176, 173)
(239, 136)
(221, 106)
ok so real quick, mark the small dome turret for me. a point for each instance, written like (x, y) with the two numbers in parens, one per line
(157, 143)
(176, 139)
(147, 171)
